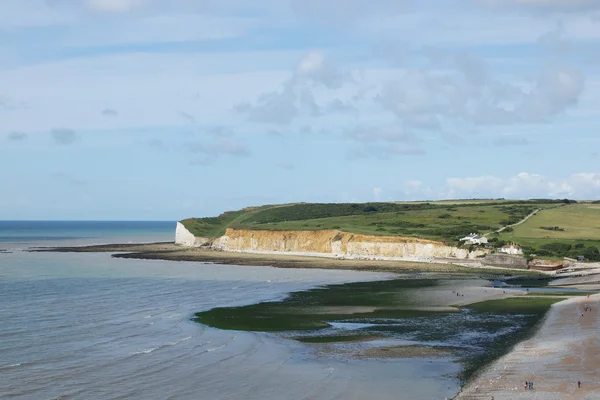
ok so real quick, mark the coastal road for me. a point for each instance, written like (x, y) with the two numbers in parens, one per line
(564, 351)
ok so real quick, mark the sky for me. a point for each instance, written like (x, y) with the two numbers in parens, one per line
(167, 109)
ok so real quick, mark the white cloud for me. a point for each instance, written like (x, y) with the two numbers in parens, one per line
(118, 6)
(544, 5)
(524, 185)
(316, 69)
(296, 97)
(277, 107)
(473, 186)
(459, 88)
(411, 187)
(377, 192)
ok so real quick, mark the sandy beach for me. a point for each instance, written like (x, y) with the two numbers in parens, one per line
(563, 352)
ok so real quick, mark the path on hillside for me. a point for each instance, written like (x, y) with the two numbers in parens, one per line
(516, 223)
(564, 351)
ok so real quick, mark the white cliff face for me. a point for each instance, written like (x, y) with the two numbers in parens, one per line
(183, 237)
(338, 244)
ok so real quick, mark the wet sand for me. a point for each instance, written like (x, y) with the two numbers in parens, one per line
(590, 281)
(384, 352)
(564, 351)
(461, 292)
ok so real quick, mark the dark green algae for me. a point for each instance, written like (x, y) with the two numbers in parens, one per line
(479, 333)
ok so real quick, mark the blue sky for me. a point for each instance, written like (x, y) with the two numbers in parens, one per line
(156, 109)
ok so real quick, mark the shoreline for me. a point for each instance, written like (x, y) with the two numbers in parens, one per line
(472, 390)
(168, 251)
(563, 351)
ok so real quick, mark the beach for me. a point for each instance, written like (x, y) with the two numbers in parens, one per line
(168, 251)
(563, 352)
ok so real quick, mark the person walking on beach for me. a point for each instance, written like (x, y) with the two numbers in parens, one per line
(579, 384)
(526, 384)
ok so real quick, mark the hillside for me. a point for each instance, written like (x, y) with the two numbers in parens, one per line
(445, 221)
(569, 231)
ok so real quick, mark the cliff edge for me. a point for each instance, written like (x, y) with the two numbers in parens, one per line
(326, 243)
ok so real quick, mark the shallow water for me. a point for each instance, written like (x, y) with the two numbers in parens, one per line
(88, 326)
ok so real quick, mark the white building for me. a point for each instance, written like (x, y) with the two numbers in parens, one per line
(473, 238)
(513, 249)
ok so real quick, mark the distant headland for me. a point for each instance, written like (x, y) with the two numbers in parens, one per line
(542, 234)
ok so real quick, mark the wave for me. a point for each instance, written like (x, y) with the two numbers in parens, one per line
(150, 350)
(147, 351)
(3, 367)
(178, 341)
(221, 347)
(216, 348)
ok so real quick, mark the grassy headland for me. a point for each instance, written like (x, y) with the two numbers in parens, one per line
(559, 228)
(442, 221)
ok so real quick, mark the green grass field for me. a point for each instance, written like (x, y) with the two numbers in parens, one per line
(446, 221)
(576, 221)
(554, 233)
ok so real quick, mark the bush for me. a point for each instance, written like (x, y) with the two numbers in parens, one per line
(558, 248)
(552, 228)
(590, 253)
(444, 216)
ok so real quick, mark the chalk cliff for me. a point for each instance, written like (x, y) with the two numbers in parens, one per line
(184, 237)
(328, 243)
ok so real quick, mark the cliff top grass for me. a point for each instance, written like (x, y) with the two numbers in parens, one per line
(445, 221)
(558, 232)
(578, 221)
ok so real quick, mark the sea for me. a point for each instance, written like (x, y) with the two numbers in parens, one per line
(89, 326)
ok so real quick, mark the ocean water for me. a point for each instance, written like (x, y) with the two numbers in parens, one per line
(88, 326)
(65, 233)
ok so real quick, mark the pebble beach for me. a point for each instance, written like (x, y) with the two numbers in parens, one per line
(562, 353)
